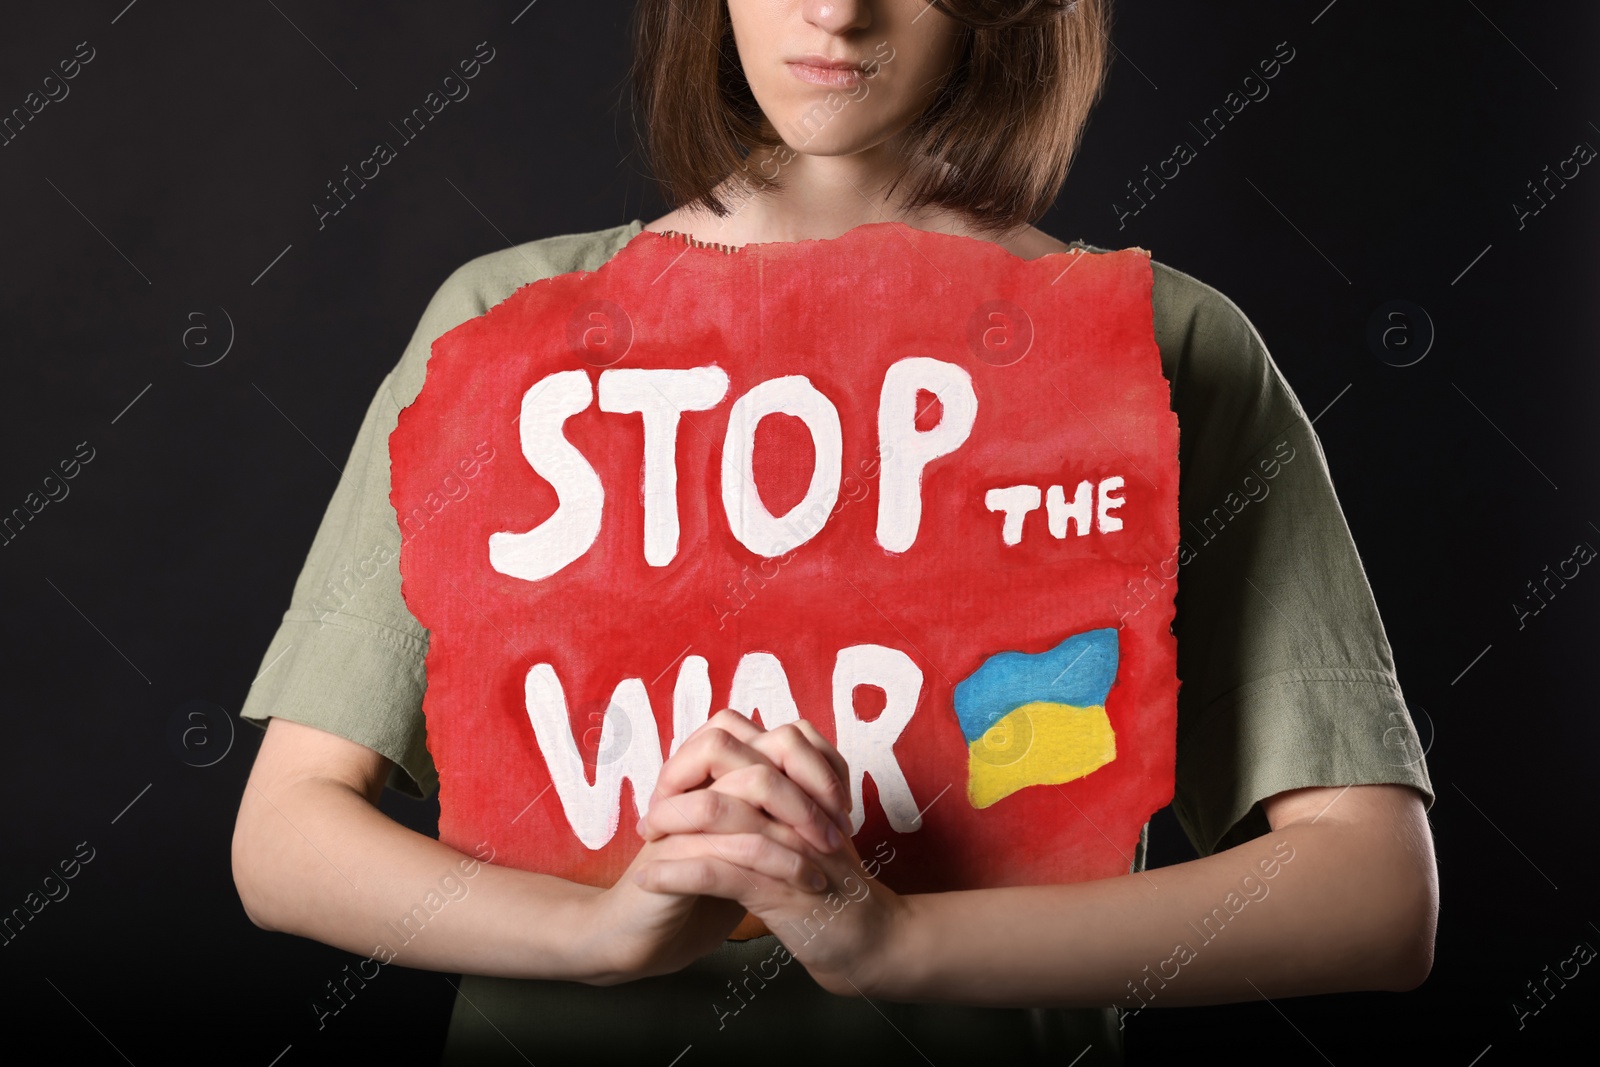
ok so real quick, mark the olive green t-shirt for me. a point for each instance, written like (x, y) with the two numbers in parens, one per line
(1287, 682)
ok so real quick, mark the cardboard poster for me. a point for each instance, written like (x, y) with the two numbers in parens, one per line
(896, 483)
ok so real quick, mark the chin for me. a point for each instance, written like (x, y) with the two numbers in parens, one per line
(831, 142)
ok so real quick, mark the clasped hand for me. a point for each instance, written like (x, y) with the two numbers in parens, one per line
(744, 818)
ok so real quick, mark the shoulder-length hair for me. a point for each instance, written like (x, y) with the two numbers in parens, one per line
(994, 145)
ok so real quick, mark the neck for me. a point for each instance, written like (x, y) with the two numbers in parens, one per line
(821, 197)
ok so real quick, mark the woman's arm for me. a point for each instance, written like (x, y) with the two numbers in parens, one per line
(313, 856)
(1341, 895)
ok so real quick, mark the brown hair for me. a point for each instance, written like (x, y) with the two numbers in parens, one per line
(994, 145)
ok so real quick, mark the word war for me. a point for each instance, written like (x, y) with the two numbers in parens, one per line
(631, 748)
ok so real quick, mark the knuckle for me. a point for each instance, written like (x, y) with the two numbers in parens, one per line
(713, 805)
(814, 735)
(750, 848)
(789, 734)
(726, 719)
(766, 779)
(778, 860)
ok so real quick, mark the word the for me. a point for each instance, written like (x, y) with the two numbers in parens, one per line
(340, 591)
(55, 90)
(384, 153)
(453, 889)
(1183, 153)
(1527, 209)
(855, 490)
(1254, 889)
(54, 889)
(780, 956)
(661, 396)
(54, 489)
(1254, 490)
(1016, 501)
(631, 740)
(1581, 555)
(1581, 955)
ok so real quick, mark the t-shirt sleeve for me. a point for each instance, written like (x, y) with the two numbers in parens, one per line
(349, 656)
(1287, 677)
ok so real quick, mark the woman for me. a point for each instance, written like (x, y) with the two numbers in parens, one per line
(959, 118)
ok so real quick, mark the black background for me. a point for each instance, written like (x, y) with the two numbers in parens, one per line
(1383, 166)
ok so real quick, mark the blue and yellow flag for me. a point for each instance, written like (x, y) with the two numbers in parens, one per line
(1038, 719)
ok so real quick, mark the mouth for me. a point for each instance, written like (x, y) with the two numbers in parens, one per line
(823, 70)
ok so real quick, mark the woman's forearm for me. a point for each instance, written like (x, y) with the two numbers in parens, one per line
(315, 858)
(1346, 902)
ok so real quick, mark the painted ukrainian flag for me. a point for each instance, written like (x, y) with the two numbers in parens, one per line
(1038, 719)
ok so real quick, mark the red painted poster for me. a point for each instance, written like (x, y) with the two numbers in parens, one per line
(895, 483)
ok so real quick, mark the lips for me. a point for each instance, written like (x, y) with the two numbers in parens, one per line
(814, 59)
(824, 70)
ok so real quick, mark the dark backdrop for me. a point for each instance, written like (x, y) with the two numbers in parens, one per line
(161, 211)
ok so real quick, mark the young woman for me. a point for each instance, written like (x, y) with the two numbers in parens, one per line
(788, 120)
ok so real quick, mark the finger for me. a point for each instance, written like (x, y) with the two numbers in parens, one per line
(733, 722)
(710, 810)
(708, 754)
(728, 865)
(840, 766)
(766, 787)
(794, 752)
